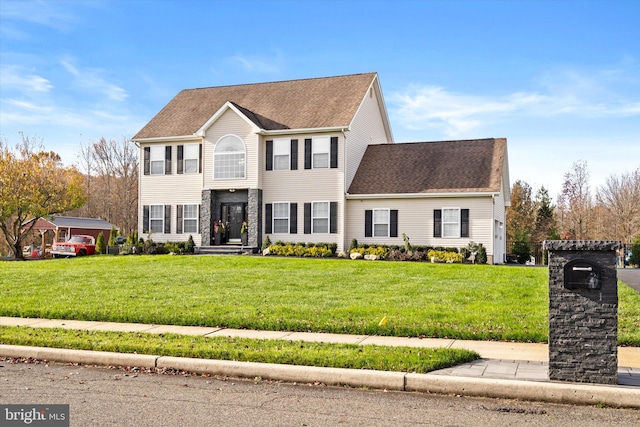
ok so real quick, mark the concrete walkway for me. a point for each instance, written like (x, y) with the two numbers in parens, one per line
(516, 370)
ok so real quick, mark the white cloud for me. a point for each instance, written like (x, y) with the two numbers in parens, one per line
(91, 79)
(260, 63)
(604, 94)
(17, 79)
(46, 13)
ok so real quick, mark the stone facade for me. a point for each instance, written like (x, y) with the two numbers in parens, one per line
(207, 215)
(583, 311)
(254, 218)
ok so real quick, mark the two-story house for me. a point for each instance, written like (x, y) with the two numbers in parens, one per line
(312, 160)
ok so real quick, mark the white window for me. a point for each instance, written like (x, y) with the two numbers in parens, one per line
(157, 159)
(190, 218)
(156, 218)
(451, 222)
(321, 147)
(191, 154)
(381, 222)
(320, 217)
(281, 217)
(281, 153)
(229, 158)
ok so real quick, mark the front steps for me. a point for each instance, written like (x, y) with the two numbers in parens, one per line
(226, 249)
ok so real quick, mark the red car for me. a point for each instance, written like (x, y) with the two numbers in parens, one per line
(79, 245)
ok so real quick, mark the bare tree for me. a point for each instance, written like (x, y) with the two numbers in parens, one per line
(575, 203)
(620, 197)
(111, 180)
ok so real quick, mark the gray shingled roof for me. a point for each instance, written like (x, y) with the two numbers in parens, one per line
(293, 104)
(431, 167)
(75, 222)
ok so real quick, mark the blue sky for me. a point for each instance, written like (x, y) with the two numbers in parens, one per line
(559, 79)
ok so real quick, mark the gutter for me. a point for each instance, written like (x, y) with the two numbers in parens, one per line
(303, 130)
(420, 195)
(168, 138)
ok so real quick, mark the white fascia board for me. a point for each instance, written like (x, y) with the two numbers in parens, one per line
(227, 105)
(303, 130)
(420, 195)
(169, 139)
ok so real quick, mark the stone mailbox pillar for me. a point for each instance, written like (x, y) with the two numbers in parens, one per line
(583, 311)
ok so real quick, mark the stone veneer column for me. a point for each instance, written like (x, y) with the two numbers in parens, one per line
(254, 218)
(583, 320)
(206, 216)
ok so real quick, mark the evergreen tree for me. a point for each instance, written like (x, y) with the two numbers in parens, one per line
(101, 246)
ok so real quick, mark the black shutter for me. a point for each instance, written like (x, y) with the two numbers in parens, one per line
(200, 158)
(307, 218)
(269, 159)
(179, 219)
(464, 222)
(268, 221)
(333, 217)
(393, 226)
(294, 154)
(334, 152)
(145, 219)
(199, 216)
(307, 153)
(147, 160)
(437, 223)
(293, 218)
(167, 219)
(167, 160)
(180, 158)
(368, 223)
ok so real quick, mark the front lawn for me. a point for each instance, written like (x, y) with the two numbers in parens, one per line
(328, 295)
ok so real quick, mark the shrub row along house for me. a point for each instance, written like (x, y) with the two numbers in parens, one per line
(313, 160)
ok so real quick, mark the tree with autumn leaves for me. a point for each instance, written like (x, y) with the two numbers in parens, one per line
(33, 184)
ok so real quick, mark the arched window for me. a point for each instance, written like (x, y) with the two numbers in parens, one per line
(229, 158)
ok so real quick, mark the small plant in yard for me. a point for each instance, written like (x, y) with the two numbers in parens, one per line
(481, 257)
(101, 246)
(266, 242)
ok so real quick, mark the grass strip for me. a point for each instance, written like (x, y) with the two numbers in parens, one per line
(383, 358)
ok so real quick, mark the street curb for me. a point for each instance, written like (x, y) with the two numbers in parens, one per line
(572, 393)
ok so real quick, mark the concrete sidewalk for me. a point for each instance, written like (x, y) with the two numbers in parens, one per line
(516, 370)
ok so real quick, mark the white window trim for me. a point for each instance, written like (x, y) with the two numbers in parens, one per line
(237, 152)
(184, 218)
(273, 217)
(185, 158)
(315, 151)
(160, 153)
(459, 223)
(287, 144)
(374, 223)
(151, 218)
(313, 217)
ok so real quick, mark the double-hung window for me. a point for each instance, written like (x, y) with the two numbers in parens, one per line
(451, 223)
(190, 219)
(281, 154)
(281, 217)
(190, 153)
(320, 217)
(381, 223)
(321, 148)
(157, 159)
(156, 218)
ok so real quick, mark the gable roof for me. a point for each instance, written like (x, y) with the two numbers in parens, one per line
(293, 104)
(432, 167)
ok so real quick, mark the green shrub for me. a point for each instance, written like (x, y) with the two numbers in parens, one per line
(444, 256)
(481, 256)
(190, 246)
(101, 246)
(315, 250)
(266, 242)
(635, 252)
(112, 236)
(354, 244)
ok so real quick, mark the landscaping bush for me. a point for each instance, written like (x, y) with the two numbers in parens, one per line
(314, 250)
(481, 256)
(634, 259)
(444, 256)
(101, 246)
(266, 243)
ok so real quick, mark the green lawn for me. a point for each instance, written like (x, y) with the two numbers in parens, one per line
(328, 295)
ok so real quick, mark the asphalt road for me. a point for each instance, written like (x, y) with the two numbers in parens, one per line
(630, 276)
(117, 397)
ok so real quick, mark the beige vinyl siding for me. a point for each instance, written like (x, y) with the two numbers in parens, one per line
(171, 190)
(366, 128)
(305, 186)
(230, 123)
(415, 219)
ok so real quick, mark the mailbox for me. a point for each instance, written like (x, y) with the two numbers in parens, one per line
(582, 274)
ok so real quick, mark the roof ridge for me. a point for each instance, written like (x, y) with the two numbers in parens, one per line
(279, 81)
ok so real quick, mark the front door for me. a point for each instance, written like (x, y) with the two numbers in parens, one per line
(234, 214)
